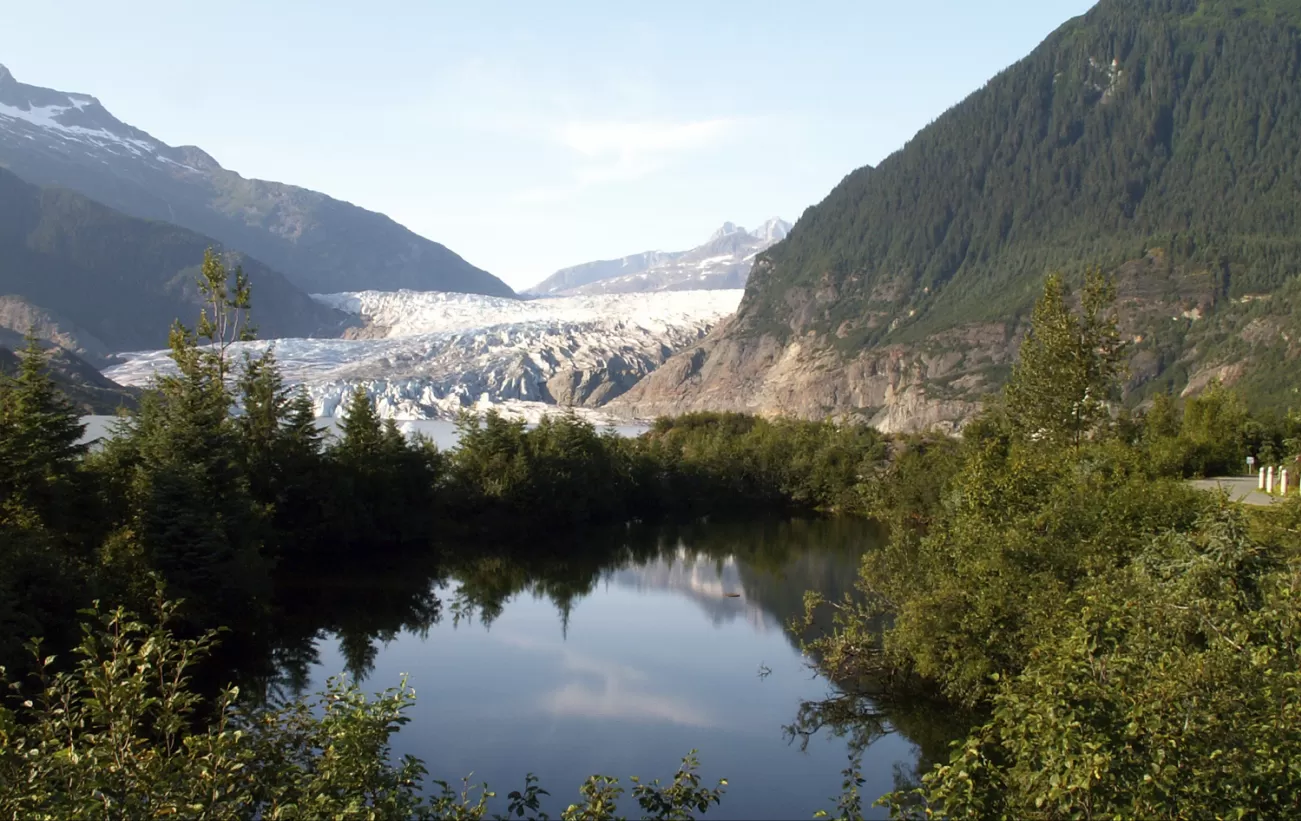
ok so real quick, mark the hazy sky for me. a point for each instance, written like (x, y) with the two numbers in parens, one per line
(528, 136)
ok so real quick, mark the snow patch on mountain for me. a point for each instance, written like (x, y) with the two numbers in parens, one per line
(429, 355)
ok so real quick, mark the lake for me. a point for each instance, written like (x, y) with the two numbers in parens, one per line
(613, 652)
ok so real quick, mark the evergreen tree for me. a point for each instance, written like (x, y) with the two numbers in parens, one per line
(40, 431)
(1069, 366)
(189, 512)
(223, 321)
(47, 521)
(300, 424)
(363, 433)
(265, 400)
(261, 425)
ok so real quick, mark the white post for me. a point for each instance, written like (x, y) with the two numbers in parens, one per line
(1261, 486)
(1269, 480)
(1282, 482)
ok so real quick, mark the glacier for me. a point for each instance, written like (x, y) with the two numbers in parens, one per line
(429, 355)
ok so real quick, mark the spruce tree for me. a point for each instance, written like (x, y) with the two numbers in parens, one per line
(300, 424)
(262, 437)
(191, 515)
(1069, 365)
(40, 432)
(363, 433)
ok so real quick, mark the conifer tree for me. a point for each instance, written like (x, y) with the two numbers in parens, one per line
(1069, 365)
(300, 423)
(226, 303)
(40, 432)
(363, 433)
(295, 482)
(46, 519)
(190, 512)
(261, 425)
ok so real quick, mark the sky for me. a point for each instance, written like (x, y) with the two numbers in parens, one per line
(529, 136)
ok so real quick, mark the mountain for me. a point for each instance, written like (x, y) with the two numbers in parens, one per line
(322, 244)
(86, 387)
(1153, 138)
(94, 280)
(18, 317)
(430, 355)
(722, 262)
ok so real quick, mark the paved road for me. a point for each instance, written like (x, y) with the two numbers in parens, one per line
(1240, 488)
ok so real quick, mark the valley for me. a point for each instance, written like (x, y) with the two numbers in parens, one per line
(938, 502)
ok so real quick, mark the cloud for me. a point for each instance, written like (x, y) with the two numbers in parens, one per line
(616, 152)
(619, 692)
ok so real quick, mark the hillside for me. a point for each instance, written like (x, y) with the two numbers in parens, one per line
(96, 280)
(86, 387)
(1156, 138)
(721, 262)
(322, 244)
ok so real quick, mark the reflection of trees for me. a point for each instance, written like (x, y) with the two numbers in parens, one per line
(863, 714)
(774, 561)
(363, 603)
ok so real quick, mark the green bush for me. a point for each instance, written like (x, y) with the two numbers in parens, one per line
(1167, 688)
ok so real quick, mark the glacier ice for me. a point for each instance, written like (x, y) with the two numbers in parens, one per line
(428, 355)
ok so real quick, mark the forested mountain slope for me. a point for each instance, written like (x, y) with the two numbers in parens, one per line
(322, 244)
(1155, 138)
(116, 282)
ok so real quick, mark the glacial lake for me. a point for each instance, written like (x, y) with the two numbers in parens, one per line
(614, 652)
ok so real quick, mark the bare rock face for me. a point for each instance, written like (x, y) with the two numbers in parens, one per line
(18, 317)
(896, 389)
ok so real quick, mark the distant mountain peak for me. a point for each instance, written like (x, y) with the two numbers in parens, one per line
(727, 230)
(198, 158)
(773, 230)
(72, 141)
(721, 262)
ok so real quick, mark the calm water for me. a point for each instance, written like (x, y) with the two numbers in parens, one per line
(612, 653)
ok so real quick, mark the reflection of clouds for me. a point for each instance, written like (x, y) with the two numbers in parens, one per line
(615, 694)
(702, 579)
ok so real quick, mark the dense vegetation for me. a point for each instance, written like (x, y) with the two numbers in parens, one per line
(1160, 126)
(1129, 643)
(122, 279)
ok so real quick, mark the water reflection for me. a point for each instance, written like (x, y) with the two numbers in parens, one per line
(612, 652)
